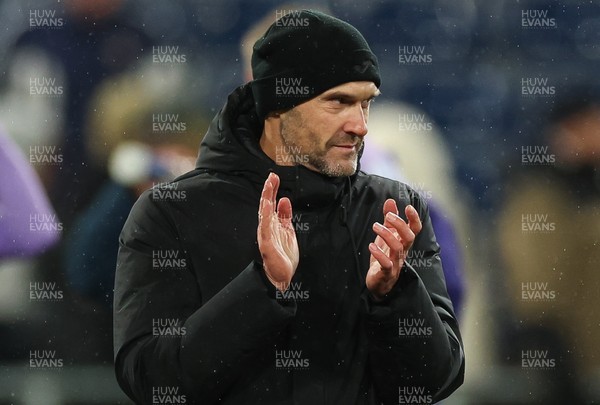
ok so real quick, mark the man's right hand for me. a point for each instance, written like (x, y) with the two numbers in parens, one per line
(276, 235)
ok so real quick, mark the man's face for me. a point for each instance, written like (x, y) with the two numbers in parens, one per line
(326, 133)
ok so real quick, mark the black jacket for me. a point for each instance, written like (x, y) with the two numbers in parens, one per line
(196, 320)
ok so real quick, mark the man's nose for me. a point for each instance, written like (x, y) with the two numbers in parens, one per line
(356, 122)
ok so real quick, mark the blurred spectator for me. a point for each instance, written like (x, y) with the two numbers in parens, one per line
(28, 223)
(29, 227)
(93, 41)
(144, 128)
(549, 236)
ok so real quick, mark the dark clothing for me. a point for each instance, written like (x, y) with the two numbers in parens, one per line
(90, 248)
(237, 339)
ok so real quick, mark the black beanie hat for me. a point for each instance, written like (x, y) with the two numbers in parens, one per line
(305, 53)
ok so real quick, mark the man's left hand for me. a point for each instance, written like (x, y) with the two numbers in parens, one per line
(394, 238)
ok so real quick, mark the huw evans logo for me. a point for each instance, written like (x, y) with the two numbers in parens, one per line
(168, 259)
(290, 155)
(44, 359)
(537, 19)
(45, 86)
(44, 291)
(44, 19)
(167, 123)
(300, 226)
(290, 18)
(290, 87)
(536, 155)
(45, 155)
(290, 359)
(168, 192)
(413, 122)
(413, 55)
(292, 291)
(413, 327)
(418, 260)
(167, 395)
(44, 223)
(537, 223)
(168, 54)
(420, 188)
(414, 395)
(167, 327)
(537, 359)
(537, 291)
(536, 87)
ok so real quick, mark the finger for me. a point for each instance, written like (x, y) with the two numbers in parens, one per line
(406, 234)
(384, 261)
(390, 239)
(265, 210)
(414, 222)
(265, 220)
(266, 195)
(275, 182)
(284, 211)
(389, 206)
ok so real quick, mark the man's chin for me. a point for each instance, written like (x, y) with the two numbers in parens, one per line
(339, 170)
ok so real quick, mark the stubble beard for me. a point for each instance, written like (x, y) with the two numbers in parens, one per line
(334, 169)
(310, 154)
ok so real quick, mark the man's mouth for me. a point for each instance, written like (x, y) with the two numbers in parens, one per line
(348, 144)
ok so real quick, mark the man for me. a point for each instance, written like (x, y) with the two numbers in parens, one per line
(292, 286)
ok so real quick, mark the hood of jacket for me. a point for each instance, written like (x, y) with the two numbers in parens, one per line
(231, 145)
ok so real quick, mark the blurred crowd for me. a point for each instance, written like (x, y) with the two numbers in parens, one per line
(490, 110)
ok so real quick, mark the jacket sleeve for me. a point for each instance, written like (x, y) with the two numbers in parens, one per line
(415, 347)
(166, 339)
